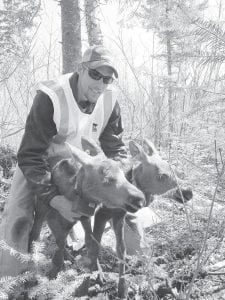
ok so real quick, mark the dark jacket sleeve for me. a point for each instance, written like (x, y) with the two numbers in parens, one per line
(111, 138)
(39, 130)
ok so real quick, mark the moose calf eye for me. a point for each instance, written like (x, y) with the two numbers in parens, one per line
(108, 181)
(162, 177)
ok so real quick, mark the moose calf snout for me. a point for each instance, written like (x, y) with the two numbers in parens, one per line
(139, 202)
(180, 194)
(135, 202)
(187, 193)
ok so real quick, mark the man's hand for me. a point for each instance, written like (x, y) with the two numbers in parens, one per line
(64, 207)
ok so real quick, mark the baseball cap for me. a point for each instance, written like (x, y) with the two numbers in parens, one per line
(98, 56)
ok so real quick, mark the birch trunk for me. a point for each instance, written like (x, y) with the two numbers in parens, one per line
(169, 72)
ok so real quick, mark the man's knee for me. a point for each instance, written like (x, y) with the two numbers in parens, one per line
(21, 228)
(134, 235)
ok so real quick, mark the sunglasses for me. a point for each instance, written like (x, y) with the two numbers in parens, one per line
(94, 74)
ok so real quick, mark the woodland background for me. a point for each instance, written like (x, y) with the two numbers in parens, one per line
(170, 58)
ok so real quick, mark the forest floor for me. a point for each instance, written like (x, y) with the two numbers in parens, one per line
(184, 257)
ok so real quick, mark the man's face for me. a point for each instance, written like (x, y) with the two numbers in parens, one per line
(91, 88)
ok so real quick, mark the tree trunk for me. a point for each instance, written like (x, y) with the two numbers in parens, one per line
(71, 35)
(92, 13)
(169, 72)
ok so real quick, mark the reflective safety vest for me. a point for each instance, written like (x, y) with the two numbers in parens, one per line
(71, 122)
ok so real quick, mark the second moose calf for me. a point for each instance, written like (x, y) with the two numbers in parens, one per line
(153, 176)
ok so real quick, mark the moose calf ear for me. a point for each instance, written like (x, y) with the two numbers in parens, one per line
(137, 152)
(79, 155)
(149, 147)
(90, 146)
(134, 149)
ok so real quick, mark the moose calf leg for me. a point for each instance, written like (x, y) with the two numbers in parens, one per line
(86, 223)
(101, 217)
(118, 226)
(41, 211)
(60, 229)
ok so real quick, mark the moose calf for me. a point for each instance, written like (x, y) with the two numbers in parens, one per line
(95, 180)
(153, 176)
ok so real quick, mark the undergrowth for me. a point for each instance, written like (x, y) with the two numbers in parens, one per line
(164, 271)
(176, 264)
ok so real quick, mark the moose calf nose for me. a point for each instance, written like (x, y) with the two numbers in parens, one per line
(135, 199)
(138, 200)
(187, 193)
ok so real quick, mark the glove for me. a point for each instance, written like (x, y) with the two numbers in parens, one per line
(64, 207)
